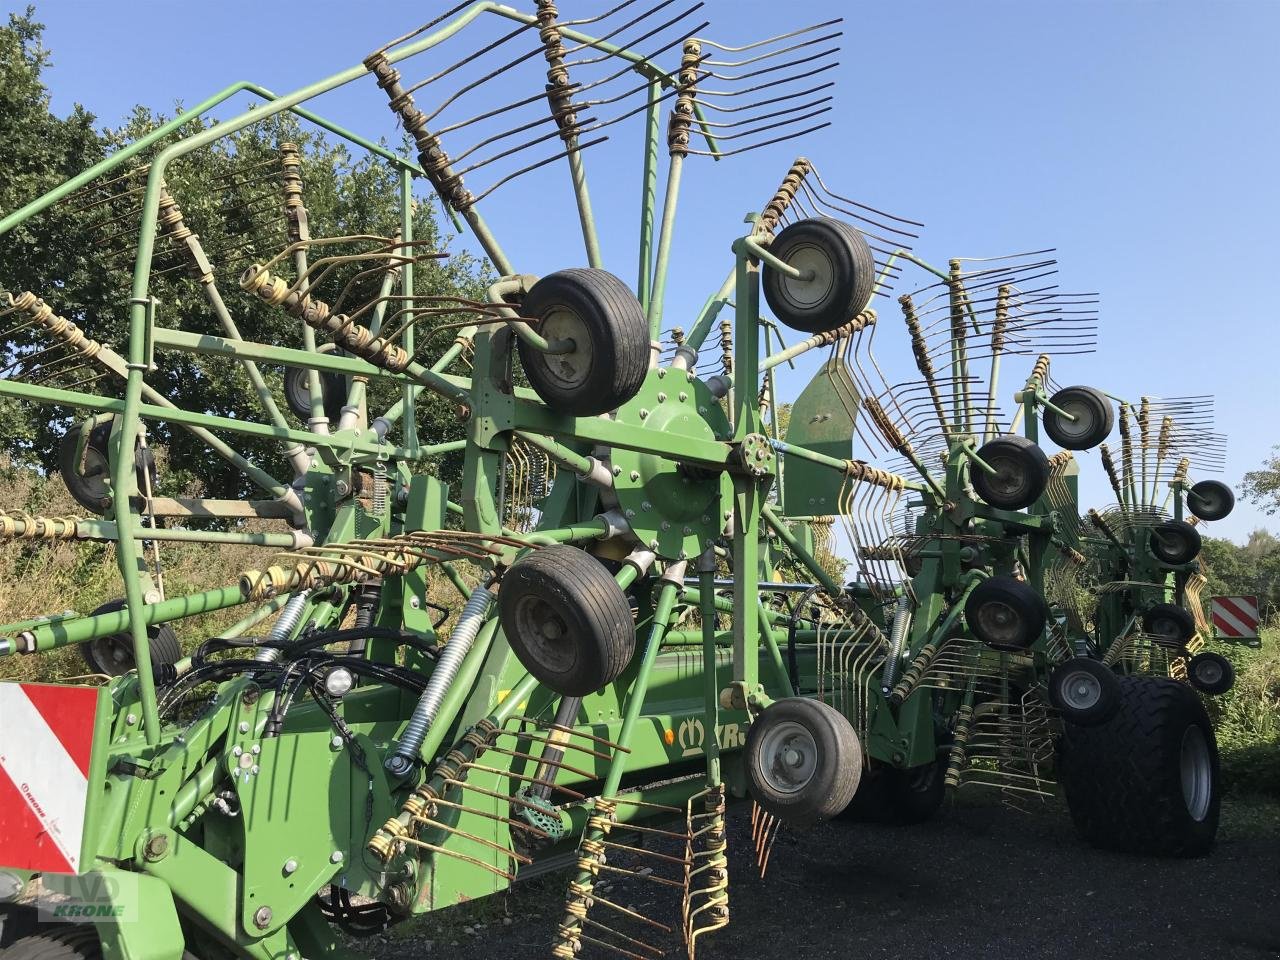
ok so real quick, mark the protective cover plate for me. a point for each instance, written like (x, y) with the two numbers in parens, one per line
(821, 420)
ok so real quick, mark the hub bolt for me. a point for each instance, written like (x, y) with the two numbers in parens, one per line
(262, 918)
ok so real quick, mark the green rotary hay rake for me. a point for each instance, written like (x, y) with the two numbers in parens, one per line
(667, 598)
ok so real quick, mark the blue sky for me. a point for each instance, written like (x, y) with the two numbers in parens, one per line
(1134, 137)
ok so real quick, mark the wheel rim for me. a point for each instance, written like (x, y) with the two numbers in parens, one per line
(1197, 772)
(1085, 423)
(573, 367)
(1209, 672)
(545, 634)
(1000, 622)
(788, 757)
(1010, 481)
(810, 293)
(1081, 690)
(1166, 628)
(1170, 545)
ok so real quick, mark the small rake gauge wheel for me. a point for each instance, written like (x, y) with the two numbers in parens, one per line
(1211, 500)
(1094, 418)
(1005, 613)
(1174, 543)
(841, 275)
(88, 480)
(1211, 673)
(567, 620)
(297, 390)
(1085, 691)
(113, 655)
(803, 761)
(1170, 623)
(610, 354)
(1021, 473)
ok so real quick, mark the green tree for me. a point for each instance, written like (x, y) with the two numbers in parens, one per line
(79, 256)
(1262, 486)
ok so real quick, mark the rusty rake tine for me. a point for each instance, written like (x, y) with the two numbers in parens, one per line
(594, 43)
(894, 245)
(771, 84)
(622, 936)
(854, 203)
(772, 126)
(765, 143)
(422, 29)
(610, 946)
(685, 34)
(764, 71)
(774, 53)
(730, 125)
(510, 877)
(502, 154)
(487, 48)
(534, 166)
(630, 913)
(514, 855)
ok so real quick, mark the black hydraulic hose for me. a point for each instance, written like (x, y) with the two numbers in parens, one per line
(793, 663)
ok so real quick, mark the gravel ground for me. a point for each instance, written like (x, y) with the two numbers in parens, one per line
(981, 881)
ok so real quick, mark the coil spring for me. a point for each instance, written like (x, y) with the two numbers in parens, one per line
(285, 625)
(783, 196)
(40, 313)
(681, 121)
(295, 212)
(1001, 320)
(431, 155)
(16, 525)
(960, 739)
(914, 673)
(317, 314)
(424, 712)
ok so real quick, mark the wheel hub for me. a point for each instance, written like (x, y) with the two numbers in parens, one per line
(790, 757)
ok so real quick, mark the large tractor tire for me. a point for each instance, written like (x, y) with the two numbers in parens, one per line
(900, 797)
(1146, 781)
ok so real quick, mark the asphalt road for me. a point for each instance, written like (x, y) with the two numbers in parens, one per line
(981, 881)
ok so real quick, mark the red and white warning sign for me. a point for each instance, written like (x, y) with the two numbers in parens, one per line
(46, 741)
(1235, 618)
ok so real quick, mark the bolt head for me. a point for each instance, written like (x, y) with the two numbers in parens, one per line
(415, 602)
(255, 749)
(254, 769)
(617, 471)
(335, 857)
(244, 726)
(335, 743)
(635, 475)
(262, 918)
(156, 848)
(237, 750)
(662, 397)
(131, 719)
(290, 866)
(151, 596)
(644, 414)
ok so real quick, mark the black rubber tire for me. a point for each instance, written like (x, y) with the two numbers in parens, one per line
(91, 489)
(77, 942)
(1211, 673)
(1005, 613)
(297, 393)
(1095, 418)
(837, 761)
(1022, 473)
(1173, 624)
(1065, 695)
(1123, 779)
(598, 306)
(1174, 543)
(1211, 500)
(900, 797)
(113, 655)
(569, 590)
(836, 247)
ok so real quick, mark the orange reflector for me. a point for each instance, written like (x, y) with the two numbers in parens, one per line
(669, 737)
